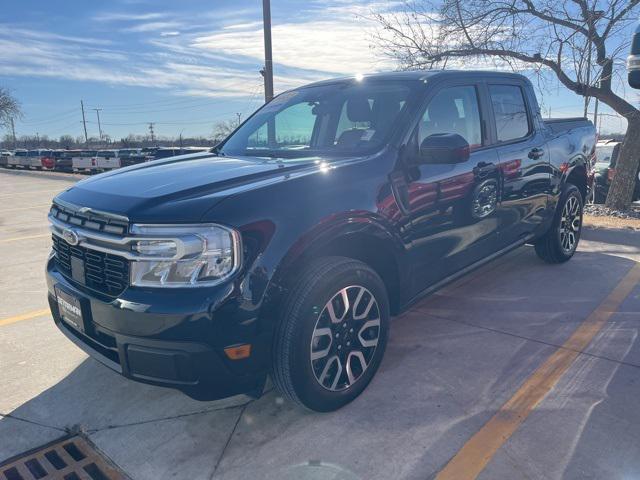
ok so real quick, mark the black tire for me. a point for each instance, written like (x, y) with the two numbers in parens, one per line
(294, 371)
(552, 246)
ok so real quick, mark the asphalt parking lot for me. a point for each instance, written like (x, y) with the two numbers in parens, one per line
(519, 370)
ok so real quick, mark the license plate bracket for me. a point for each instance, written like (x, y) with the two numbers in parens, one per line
(70, 309)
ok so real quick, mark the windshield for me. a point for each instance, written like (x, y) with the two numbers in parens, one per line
(333, 120)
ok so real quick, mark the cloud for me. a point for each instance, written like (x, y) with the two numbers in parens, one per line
(183, 53)
(330, 37)
(153, 26)
(128, 17)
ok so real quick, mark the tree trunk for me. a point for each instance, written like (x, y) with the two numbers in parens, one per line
(624, 181)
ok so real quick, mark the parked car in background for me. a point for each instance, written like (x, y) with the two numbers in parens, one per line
(84, 161)
(633, 62)
(107, 160)
(166, 152)
(4, 158)
(607, 154)
(38, 158)
(287, 255)
(19, 159)
(61, 160)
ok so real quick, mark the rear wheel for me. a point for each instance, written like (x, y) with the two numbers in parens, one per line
(332, 335)
(561, 241)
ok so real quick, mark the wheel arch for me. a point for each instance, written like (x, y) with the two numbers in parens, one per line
(365, 239)
(578, 176)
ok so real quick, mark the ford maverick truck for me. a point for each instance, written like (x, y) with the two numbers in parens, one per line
(285, 250)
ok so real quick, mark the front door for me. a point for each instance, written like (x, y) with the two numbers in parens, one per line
(452, 206)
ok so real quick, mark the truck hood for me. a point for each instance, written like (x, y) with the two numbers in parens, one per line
(179, 189)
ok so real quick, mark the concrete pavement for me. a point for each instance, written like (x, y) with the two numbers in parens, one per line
(452, 361)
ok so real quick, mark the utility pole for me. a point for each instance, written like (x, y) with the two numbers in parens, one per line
(268, 68)
(239, 116)
(595, 115)
(38, 138)
(13, 131)
(84, 122)
(99, 126)
(268, 57)
(153, 138)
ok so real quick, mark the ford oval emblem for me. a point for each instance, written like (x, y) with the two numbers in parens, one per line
(70, 236)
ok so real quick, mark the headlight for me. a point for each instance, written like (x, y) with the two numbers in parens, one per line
(184, 255)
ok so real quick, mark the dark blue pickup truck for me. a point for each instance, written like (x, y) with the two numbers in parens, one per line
(285, 250)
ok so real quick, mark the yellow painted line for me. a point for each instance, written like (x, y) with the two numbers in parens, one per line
(25, 208)
(474, 456)
(27, 237)
(25, 316)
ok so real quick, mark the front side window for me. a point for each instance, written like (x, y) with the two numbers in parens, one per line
(510, 110)
(453, 110)
(341, 119)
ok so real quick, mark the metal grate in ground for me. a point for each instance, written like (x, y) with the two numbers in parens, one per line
(72, 458)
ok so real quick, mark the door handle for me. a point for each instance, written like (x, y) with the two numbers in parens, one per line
(536, 153)
(483, 169)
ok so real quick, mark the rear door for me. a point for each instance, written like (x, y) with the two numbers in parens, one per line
(523, 157)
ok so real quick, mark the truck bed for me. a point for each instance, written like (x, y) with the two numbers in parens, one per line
(559, 125)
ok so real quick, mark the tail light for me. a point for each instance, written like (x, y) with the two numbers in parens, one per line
(611, 173)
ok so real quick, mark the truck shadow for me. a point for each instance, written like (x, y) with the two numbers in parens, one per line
(451, 362)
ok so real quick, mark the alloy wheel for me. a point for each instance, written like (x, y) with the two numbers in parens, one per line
(345, 338)
(570, 224)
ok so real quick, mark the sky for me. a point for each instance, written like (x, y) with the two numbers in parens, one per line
(184, 65)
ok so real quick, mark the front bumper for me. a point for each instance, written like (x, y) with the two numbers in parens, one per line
(175, 349)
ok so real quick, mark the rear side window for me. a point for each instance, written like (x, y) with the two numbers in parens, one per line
(510, 110)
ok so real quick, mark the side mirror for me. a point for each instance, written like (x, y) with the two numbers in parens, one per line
(444, 148)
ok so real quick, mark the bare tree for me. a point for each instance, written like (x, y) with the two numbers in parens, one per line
(9, 108)
(581, 42)
(222, 130)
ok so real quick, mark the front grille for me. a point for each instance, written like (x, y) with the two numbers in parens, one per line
(88, 220)
(102, 272)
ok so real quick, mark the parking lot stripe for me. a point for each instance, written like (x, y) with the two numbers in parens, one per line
(27, 237)
(25, 316)
(478, 451)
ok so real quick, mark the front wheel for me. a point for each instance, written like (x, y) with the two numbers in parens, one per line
(561, 240)
(332, 335)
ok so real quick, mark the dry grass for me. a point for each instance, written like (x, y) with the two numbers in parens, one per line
(611, 222)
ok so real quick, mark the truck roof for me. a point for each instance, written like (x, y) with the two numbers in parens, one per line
(423, 75)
